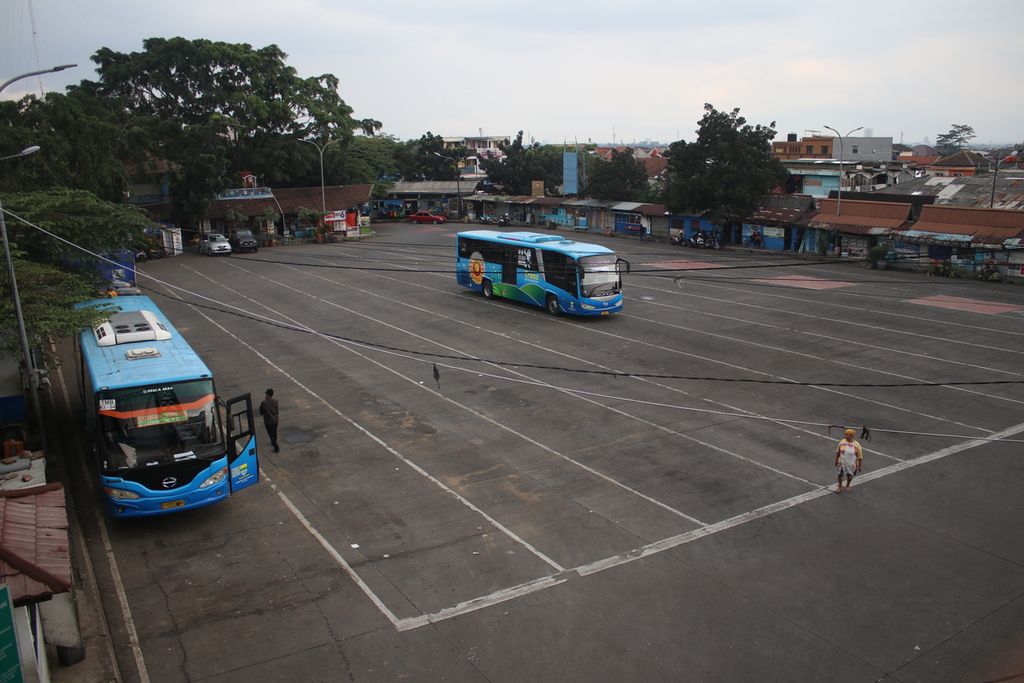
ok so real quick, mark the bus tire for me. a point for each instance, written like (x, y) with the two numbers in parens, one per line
(551, 305)
(487, 290)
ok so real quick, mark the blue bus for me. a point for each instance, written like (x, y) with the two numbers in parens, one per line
(557, 274)
(163, 441)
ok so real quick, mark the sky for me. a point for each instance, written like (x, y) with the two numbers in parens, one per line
(597, 71)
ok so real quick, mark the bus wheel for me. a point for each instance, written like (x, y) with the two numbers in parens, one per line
(488, 290)
(552, 305)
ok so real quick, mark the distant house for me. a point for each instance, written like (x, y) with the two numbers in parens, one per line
(778, 223)
(968, 239)
(851, 227)
(260, 208)
(442, 196)
(963, 163)
(812, 147)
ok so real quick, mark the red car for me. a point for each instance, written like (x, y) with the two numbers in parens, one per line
(426, 217)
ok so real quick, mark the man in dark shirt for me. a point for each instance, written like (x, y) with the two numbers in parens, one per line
(268, 409)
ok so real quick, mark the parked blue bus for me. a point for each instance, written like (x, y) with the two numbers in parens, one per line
(159, 431)
(557, 274)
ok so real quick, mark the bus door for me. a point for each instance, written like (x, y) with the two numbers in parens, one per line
(243, 464)
(509, 263)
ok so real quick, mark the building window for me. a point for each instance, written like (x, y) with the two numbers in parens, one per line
(824, 149)
(853, 149)
(810, 149)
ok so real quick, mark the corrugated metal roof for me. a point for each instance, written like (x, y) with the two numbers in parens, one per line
(626, 206)
(591, 203)
(968, 190)
(35, 561)
(860, 217)
(934, 236)
(432, 187)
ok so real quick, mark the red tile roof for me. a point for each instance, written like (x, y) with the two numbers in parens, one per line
(35, 561)
(998, 224)
(861, 217)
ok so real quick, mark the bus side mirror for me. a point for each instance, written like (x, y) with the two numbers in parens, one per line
(619, 263)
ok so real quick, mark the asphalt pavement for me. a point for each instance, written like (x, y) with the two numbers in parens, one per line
(640, 497)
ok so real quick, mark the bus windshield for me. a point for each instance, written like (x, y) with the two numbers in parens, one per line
(599, 276)
(145, 426)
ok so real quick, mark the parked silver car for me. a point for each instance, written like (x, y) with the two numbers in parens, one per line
(214, 243)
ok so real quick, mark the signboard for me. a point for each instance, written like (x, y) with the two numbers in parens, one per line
(10, 663)
(570, 182)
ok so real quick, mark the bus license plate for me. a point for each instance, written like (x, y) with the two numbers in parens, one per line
(172, 504)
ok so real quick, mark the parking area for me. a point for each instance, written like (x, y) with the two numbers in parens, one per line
(474, 490)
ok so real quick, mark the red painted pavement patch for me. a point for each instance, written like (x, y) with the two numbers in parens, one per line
(805, 282)
(684, 265)
(970, 305)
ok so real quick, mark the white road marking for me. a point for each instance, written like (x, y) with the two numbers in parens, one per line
(108, 550)
(378, 440)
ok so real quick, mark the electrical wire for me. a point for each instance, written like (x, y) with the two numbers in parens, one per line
(427, 357)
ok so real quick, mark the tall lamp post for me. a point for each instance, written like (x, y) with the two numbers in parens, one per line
(321, 148)
(26, 351)
(1012, 158)
(458, 179)
(839, 195)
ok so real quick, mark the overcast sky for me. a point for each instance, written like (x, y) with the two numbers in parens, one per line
(571, 70)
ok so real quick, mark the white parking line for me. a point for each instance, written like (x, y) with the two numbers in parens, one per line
(693, 535)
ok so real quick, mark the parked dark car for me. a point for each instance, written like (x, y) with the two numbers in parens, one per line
(243, 240)
(426, 217)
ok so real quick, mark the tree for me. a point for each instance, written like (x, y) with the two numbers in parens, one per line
(214, 108)
(956, 139)
(420, 160)
(622, 177)
(82, 142)
(52, 274)
(523, 164)
(725, 171)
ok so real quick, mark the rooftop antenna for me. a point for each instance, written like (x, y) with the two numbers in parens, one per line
(35, 44)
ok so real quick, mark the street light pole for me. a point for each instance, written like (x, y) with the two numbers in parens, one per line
(458, 180)
(839, 195)
(26, 351)
(1012, 158)
(323, 192)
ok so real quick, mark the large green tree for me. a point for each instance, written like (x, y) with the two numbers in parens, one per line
(622, 177)
(213, 109)
(523, 164)
(53, 274)
(955, 139)
(81, 139)
(725, 171)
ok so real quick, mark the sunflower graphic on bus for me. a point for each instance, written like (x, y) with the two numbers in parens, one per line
(476, 267)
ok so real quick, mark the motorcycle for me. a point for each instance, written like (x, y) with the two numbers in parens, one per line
(704, 240)
(486, 220)
(504, 220)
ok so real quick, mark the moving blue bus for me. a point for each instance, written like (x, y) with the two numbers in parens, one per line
(557, 274)
(159, 431)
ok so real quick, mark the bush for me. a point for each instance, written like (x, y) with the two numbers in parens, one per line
(878, 252)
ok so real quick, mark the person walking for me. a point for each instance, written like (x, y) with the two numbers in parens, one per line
(268, 409)
(848, 459)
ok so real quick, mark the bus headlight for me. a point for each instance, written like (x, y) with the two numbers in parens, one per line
(588, 307)
(215, 479)
(120, 494)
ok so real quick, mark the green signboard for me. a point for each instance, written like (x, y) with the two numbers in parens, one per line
(10, 664)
